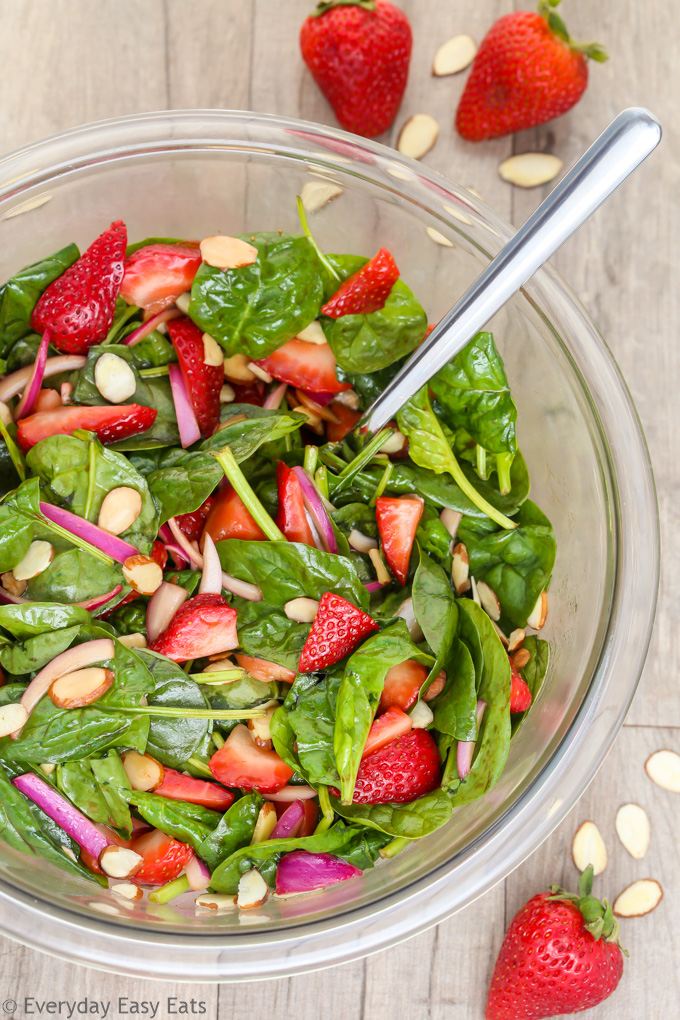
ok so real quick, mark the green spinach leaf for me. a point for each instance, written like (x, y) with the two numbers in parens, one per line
(99, 787)
(19, 296)
(413, 820)
(307, 718)
(533, 673)
(189, 823)
(173, 740)
(234, 831)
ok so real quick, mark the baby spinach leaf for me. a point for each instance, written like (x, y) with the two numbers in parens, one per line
(174, 740)
(189, 823)
(255, 309)
(455, 709)
(24, 621)
(74, 576)
(24, 353)
(308, 713)
(363, 848)
(266, 632)
(434, 606)
(413, 820)
(115, 785)
(98, 795)
(533, 673)
(244, 693)
(19, 296)
(434, 538)
(16, 534)
(234, 831)
(154, 351)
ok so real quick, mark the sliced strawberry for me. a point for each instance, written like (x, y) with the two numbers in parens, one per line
(249, 393)
(78, 307)
(230, 518)
(262, 669)
(365, 291)
(401, 771)
(164, 858)
(336, 431)
(204, 625)
(391, 724)
(290, 516)
(192, 524)
(203, 381)
(402, 685)
(337, 629)
(241, 763)
(156, 275)
(47, 400)
(520, 694)
(111, 423)
(177, 786)
(306, 366)
(398, 520)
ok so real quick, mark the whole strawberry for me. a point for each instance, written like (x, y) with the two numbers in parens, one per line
(527, 70)
(559, 955)
(358, 52)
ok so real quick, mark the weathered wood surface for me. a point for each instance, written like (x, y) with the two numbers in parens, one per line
(70, 61)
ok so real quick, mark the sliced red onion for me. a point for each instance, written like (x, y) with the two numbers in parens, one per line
(197, 874)
(162, 606)
(319, 398)
(164, 533)
(112, 545)
(71, 820)
(372, 586)
(273, 401)
(211, 579)
(16, 382)
(148, 327)
(99, 600)
(317, 511)
(243, 589)
(290, 821)
(30, 394)
(185, 545)
(179, 557)
(408, 615)
(290, 793)
(301, 871)
(11, 600)
(466, 748)
(189, 431)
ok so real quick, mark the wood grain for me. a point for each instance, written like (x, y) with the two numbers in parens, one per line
(71, 61)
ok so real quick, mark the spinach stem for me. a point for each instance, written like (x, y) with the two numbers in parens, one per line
(362, 458)
(309, 463)
(321, 480)
(68, 536)
(225, 458)
(171, 890)
(302, 213)
(382, 484)
(396, 846)
(154, 372)
(15, 453)
(120, 322)
(221, 676)
(481, 463)
(218, 740)
(185, 713)
(199, 766)
(327, 813)
(187, 666)
(503, 467)
(91, 478)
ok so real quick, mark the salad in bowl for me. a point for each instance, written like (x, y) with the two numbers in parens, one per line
(245, 646)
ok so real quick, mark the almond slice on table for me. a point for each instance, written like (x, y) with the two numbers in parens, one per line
(142, 573)
(490, 603)
(37, 558)
(316, 194)
(633, 829)
(588, 847)
(119, 510)
(313, 334)
(460, 569)
(212, 352)
(119, 861)
(418, 135)
(143, 771)
(225, 252)
(663, 768)
(638, 899)
(80, 688)
(454, 55)
(530, 169)
(114, 378)
(539, 613)
(12, 717)
(252, 890)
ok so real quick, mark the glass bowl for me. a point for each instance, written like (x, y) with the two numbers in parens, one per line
(194, 173)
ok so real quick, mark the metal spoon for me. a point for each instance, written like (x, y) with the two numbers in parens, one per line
(621, 148)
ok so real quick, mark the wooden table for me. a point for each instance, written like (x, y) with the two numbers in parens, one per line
(69, 61)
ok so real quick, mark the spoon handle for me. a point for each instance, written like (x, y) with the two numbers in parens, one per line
(621, 148)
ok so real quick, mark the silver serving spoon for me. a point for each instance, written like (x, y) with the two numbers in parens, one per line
(621, 148)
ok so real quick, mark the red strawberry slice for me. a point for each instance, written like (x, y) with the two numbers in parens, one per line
(336, 431)
(402, 771)
(337, 629)
(402, 686)
(229, 517)
(204, 625)
(203, 382)
(398, 521)
(520, 694)
(164, 858)
(111, 423)
(387, 727)
(304, 365)
(241, 763)
(157, 274)
(78, 307)
(290, 516)
(177, 786)
(365, 291)
(192, 524)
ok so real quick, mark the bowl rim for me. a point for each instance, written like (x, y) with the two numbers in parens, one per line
(314, 944)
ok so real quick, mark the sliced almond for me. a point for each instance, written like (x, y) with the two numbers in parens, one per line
(503, 639)
(259, 727)
(361, 543)
(119, 510)
(521, 657)
(313, 422)
(265, 824)
(516, 639)
(225, 252)
(663, 768)
(301, 610)
(252, 890)
(530, 169)
(326, 413)
(460, 569)
(394, 443)
(475, 593)
(588, 847)
(143, 574)
(47, 768)
(316, 194)
(183, 302)
(236, 369)
(10, 584)
(313, 334)
(127, 891)
(232, 421)
(114, 378)
(381, 571)
(438, 237)
(634, 830)
(119, 861)
(436, 687)
(350, 398)
(216, 902)
(135, 640)
(12, 717)
(213, 354)
(37, 558)
(227, 394)
(638, 899)
(490, 603)
(454, 55)
(421, 716)
(80, 688)
(538, 614)
(418, 135)
(6, 416)
(218, 665)
(450, 519)
(143, 771)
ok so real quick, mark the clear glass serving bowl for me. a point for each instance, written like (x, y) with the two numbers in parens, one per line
(194, 173)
